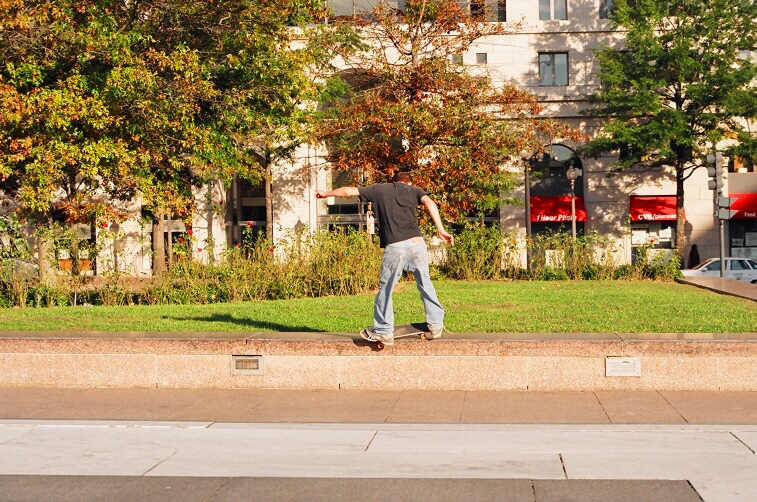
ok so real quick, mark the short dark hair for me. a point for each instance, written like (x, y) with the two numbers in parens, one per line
(402, 177)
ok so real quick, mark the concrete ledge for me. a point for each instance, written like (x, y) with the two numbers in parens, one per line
(338, 361)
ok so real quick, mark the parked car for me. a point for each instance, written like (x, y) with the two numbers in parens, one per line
(741, 269)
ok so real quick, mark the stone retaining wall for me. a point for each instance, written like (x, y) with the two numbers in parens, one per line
(315, 361)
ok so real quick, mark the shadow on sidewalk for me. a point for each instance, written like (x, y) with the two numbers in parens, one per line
(247, 322)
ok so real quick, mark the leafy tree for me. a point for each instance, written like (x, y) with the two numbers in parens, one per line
(679, 87)
(102, 100)
(251, 115)
(58, 150)
(411, 107)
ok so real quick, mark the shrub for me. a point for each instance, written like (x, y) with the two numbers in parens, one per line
(662, 265)
(319, 264)
(477, 254)
(666, 268)
(552, 274)
(585, 257)
(325, 263)
(623, 272)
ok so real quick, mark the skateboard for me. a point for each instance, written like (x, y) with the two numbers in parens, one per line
(405, 330)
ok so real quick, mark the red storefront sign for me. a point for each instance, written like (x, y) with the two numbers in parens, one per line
(653, 208)
(555, 209)
(745, 206)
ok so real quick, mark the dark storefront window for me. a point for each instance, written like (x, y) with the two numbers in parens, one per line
(743, 235)
(550, 204)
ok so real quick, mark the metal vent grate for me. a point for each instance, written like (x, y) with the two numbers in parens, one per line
(246, 365)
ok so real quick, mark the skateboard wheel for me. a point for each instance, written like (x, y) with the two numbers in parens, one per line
(425, 337)
(380, 346)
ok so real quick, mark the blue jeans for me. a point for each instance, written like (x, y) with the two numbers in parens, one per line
(409, 255)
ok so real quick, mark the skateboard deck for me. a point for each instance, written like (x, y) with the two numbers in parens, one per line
(405, 330)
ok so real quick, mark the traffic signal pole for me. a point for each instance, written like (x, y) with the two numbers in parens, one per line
(722, 248)
(717, 170)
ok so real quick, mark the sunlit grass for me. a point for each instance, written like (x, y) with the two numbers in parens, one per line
(472, 307)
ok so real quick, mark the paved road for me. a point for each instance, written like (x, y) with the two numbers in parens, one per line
(192, 489)
(446, 407)
(719, 461)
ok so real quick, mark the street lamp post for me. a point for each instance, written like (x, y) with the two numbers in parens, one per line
(526, 168)
(572, 174)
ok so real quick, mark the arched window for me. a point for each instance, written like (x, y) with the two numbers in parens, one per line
(550, 209)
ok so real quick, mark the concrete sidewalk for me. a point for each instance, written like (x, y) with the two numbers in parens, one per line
(723, 286)
(718, 461)
(410, 407)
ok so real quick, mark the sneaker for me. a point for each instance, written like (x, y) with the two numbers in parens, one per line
(434, 331)
(370, 335)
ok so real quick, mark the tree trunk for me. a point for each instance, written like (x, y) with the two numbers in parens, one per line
(211, 242)
(75, 265)
(680, 216)
(44, 247)
(158, 246)
(268, 199)
(93, 265)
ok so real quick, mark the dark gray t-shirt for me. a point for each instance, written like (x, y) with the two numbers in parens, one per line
(395, 206)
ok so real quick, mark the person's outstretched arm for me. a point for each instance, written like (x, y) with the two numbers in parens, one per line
(338, 192)
(434, 212)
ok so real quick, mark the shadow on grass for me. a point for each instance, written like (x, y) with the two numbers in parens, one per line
(249, 323)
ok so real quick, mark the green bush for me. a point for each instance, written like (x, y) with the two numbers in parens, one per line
(623, 272)
(327, 263)
(478, 253)
(665, 268)
(319, 264)
(585, 257)
(552, 274)
(662, 266)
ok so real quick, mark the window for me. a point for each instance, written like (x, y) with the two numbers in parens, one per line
(501, 11)
(560, 9)
(481, 58)
(712, 266)
(478, 10)
(740, 165)
(344, 212)
(553, 9)
(739, 265)
(605, 8)
(457, 58)
(630, 152)
(553, 68)
(545, 9)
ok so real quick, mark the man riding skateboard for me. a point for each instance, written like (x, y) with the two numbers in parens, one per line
(404, 250)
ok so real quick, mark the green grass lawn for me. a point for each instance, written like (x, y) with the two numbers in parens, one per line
(553, 307)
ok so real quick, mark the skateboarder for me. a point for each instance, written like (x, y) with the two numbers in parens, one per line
(404, 250)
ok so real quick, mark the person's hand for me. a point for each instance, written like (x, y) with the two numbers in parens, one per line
(319, 195)
(446, 236)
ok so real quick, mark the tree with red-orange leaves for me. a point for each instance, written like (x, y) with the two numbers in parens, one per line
(410, 106)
